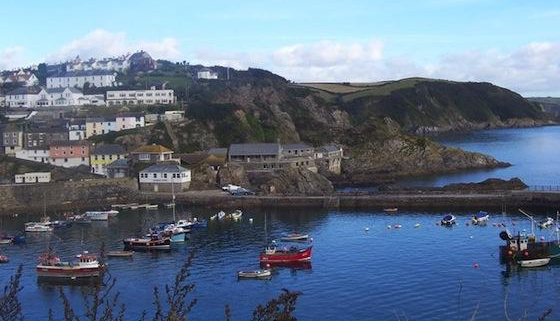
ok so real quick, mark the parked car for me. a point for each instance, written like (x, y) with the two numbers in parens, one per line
(242, 191)
(230, 188)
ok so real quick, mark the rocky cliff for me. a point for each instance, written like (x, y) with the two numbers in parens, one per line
(382, 126)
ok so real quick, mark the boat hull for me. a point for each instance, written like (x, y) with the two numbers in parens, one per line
(140, 244)
(178, 237)
(98, 216)
(287, 256)
(68, 272)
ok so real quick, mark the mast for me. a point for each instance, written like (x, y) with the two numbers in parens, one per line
(173, 197)
(532, 221)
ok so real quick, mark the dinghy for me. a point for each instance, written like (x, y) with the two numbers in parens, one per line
(534, 263)
(546, 223)
(480, 218)
(120, 253)
(256, 274)
(448, 220)
(4, 259)
(391, 210)
(294, 237)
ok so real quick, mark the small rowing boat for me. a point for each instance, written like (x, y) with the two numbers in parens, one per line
(534, 263)
(4, 259)
(480, 218)
(256, 274)
(294, 237)
(120, 253)
(448, 220)
(546, 223)
(390, 210)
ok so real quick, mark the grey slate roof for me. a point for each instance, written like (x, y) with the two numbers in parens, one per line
(217, 151)
(296, 146)
(82, 73)
(25, 91)
(108, 149)
(329, 148)
(164, 168)
(119, 163)
(62, 89)
(254, 149)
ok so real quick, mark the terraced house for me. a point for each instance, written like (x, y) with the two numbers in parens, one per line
(71, 153)
(141, 97)
(103, 155)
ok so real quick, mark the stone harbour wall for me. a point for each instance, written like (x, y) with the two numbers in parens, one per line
(68, 195)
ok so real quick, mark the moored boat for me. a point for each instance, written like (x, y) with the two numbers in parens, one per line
(273, 254)
(87, 266)
(4, 259)
(546, 223)
(256, 274)
(98, 215)
(218, 216)
(295, 237)
(60, 224)
(80, 219)
(390, 210)
(148, 243)
(38, 227)
(120, 253)
(480, 218)
(448, 220)
(534, 262)
(236, 215)
(6, 239)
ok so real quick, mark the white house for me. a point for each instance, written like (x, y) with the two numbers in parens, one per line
(119, 64)
(125, 121)
(59, 97)
(76, 130)
(92, 100)
(25, 78)
(207, 73)
(97, 78)
(23, 97)
(34, 177)
(164, 178)
(140, 97)
(100, 126)
(39, 154)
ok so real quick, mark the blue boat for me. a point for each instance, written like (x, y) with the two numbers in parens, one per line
(176, 234)
(480, 218)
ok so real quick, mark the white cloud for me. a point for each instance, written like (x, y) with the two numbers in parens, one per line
(533, 69)
(102, 43)
(11, 57)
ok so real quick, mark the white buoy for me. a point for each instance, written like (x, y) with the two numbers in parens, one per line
(367, 229)
(417, 225)
(389, 226)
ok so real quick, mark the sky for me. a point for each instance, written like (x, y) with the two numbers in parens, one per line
(511, 43)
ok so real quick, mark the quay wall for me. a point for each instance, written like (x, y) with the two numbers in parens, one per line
(459, 200)
(67, 195)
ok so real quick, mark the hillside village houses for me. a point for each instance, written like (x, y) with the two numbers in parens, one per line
(76, 129)
(30, 97)
(122, 121)
(141, 97)
(69, 153)
(103, 155)
(119, 64)
(22, 77)
(43, 137)
(12, 140)
(32, 177)
(207, 73)
(96, 78)
(151, 154)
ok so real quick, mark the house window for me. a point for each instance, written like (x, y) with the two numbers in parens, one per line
(155, 175)
(66, 160)
(144, 157)
(165, 175)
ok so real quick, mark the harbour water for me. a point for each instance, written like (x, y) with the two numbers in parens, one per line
(425, 273)
(533, 153)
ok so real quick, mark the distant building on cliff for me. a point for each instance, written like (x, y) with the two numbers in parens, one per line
(329, 158)
(95, 78)
(269, 157)
(206, 73)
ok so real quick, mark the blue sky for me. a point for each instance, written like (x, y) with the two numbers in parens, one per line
(512, 43)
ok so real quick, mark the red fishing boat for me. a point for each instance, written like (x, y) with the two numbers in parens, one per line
(274, 254)
(87, 266)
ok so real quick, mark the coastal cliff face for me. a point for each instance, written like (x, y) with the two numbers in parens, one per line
(381, 126)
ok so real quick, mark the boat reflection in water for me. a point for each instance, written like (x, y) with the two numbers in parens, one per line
(302, 265)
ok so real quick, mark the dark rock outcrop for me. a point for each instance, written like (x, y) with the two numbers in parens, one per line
(491, 184)
(298, 181)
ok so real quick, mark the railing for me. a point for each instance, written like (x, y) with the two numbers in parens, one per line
(544, 187)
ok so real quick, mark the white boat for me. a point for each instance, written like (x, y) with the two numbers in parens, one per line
(256, 274)
(546, 223)
(87, 266)
(534, 263)
(220, 216)
(38, 227)
(448, 220)
(236, 216)
(98, 215)
(480, 218)
(294, 237)
(120, 253)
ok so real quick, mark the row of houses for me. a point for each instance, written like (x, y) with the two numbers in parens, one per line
(21, 77)
(15, 139)
(38, 97)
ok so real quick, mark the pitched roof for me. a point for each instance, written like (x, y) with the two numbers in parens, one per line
(154, 149)
(296, 146)
(329, 148)
(62, 89)
(254, 149)
(217, 151)
(164, 168)
(25, 91)
(108, 149)
(83, 73)
(119, 163)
